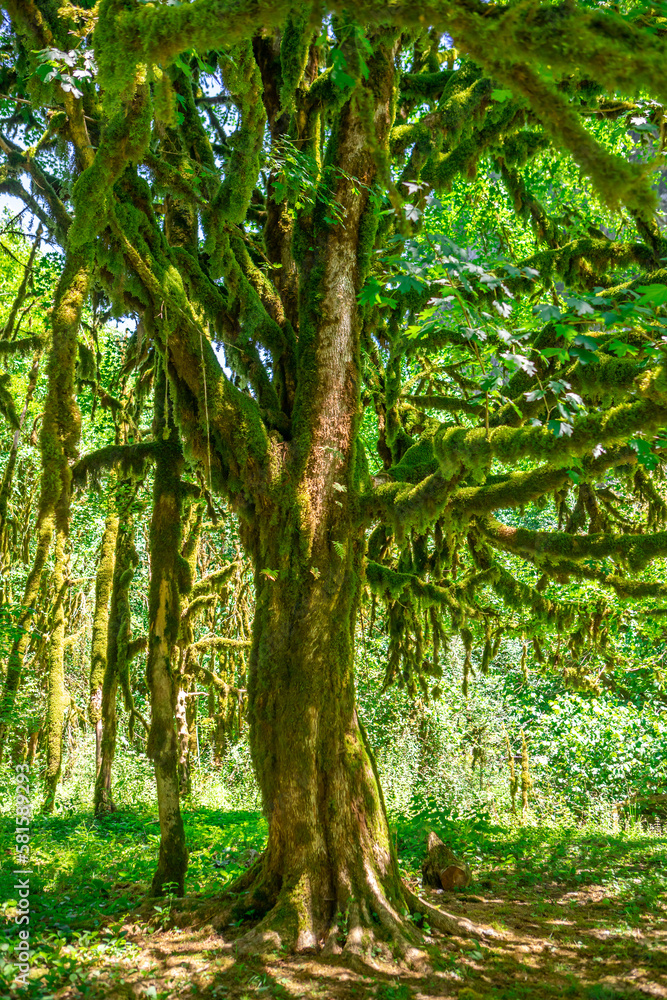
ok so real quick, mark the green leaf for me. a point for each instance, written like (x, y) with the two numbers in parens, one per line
(561, 353)
(620, 348)
(43, 71)
(588, 342)
(501, 95)
(645, 455)
(370, 293)
(407, 282)
(654, 295)
(547, 312)
(580, 306)
(584, 356)
(339, 77)
(560, 428)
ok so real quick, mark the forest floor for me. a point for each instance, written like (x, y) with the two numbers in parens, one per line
(582, 913)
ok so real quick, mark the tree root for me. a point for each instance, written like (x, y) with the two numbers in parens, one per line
(362, 926)
(447, 922)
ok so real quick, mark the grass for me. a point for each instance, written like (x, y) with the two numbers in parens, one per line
(582, 912)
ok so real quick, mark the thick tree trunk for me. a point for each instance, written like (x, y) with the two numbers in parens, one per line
(167, 570)
(100, 631)
(329, 877)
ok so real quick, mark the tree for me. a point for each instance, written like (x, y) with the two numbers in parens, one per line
(253, 184)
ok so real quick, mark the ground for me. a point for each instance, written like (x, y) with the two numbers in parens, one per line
(582, 912)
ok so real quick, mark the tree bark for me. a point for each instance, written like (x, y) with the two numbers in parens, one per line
(7, 554)
(329, 877)
(167, 571)
(100, 630)
(183, 734)
(118, 640)
(61, 425)
(57, 698)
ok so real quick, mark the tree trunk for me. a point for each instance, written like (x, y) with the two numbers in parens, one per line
(59, 436)
(167, 570)
(57, 699)
(191, 719)
(183, 733)
(125, 559)
(7, 554)
(329, 876)
(109, 724)
(100, 631)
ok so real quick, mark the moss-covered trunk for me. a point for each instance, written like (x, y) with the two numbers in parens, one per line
(8, 548)
(169, 572)
(57, 699)
(125, 559)
(329, 876)
(100, 630)
(59, 436)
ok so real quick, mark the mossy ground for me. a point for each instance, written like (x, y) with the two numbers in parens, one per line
(583, 914)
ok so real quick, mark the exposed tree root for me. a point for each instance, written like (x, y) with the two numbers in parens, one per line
(446, 922)
(362, 924)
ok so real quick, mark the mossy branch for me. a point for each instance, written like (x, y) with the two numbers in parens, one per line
(213, 582)
(129, 459)
(633, 550)
(458, 449)
(23, 346)
(60, 216)
(21, 293)
(219, 642)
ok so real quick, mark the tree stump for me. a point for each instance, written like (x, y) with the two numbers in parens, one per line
(442, 869)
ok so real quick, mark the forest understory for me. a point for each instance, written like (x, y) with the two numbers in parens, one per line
(579, 913)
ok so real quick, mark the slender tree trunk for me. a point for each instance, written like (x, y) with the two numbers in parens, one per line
(191, 719)
(100, 631)
(109, 722)
(125, 559)
(167, 570)
(20, 644)
(59, 436)
(57, 698)
(6, 551)
(32, 747)
(183, 734)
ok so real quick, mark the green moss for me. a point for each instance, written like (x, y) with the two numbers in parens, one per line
(125, 138)
(98, 645)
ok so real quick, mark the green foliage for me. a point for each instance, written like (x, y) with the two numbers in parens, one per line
(349, 246)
